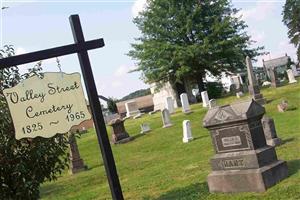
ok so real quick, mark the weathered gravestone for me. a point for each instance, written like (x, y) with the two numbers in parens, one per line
(131, 109)
(187, 132)
(273, 76)
(270, 131)
(239, 94)
(243, 161)
(212, 103)
(145, 128)
(283, 106)
(291, 76)
(253, 86)
(185, 103)
(170, 105)
(119, 134)
(294, 69)
(205, 99)
(165, 115)
(76, 163)
(236, 80)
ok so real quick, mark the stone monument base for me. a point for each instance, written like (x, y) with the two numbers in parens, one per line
(167, 125)
(261, 101)
(250, 180)
(293, 81)
(77, 166)
(122, 141)
(274, 142)
(186, 140)
(187, 112)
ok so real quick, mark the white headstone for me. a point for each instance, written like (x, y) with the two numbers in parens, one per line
(185, 103)
(165, 115)
(291, 76)
(205, 99)
(187, 132)
(145, 128)
(195, 92)
(170, 105)
(131, 108)
(212, 103)
(294, 69)
(239, 94)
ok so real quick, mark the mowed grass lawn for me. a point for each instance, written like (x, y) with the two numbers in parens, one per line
(159, 166)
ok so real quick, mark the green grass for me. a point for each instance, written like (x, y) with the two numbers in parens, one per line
(159, 166)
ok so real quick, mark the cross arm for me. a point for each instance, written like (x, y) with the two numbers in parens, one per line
(50, 53)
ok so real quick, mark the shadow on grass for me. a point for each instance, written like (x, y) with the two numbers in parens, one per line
(287, 140)
(270, 100)
(204, 136)
(193, 191)
(293, 166)
(292, 108)
(138, 136)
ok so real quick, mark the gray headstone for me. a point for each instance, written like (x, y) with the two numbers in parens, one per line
(119, 134)
(253, 86)
(270, 131)
(185, 103)
(239, 94)
(76, 163)
(294, 69)
(145, 128)
(291, 76)
(283, 106)
(273, 76)
(170, 105)
(243, 161)
(166, 118)
(212, 103)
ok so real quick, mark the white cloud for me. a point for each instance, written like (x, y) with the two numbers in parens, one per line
(123, 70)
(259, 12)
(138, 6)
(116, 84)
(100, 86)
(257, 36)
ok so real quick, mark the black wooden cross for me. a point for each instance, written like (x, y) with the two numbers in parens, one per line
(80, 47)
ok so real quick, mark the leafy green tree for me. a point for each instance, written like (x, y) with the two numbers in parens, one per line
(291, 18)
(25, 163)
(187, 38)
(111, 105)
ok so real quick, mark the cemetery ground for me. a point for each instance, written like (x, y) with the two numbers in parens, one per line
(158, 165)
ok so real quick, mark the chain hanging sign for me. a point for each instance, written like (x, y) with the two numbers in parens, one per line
(48, 105)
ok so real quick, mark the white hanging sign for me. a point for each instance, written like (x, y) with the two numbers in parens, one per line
(47, 106)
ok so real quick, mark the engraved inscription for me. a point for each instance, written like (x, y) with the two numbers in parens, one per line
(231, 141)
(234, 163)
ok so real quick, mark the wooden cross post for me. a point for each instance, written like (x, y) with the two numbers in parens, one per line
(80, 47)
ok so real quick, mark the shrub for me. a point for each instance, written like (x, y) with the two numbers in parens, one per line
(25, 163)
(214, 89)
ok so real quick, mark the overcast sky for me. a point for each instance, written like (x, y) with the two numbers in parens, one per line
(37, 25)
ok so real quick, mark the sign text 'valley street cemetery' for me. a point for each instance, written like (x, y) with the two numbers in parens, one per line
(47, 106)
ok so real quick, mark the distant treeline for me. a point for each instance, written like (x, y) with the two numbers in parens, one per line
(138, 93)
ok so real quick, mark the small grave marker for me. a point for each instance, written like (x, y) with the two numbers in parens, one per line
(187, 132)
